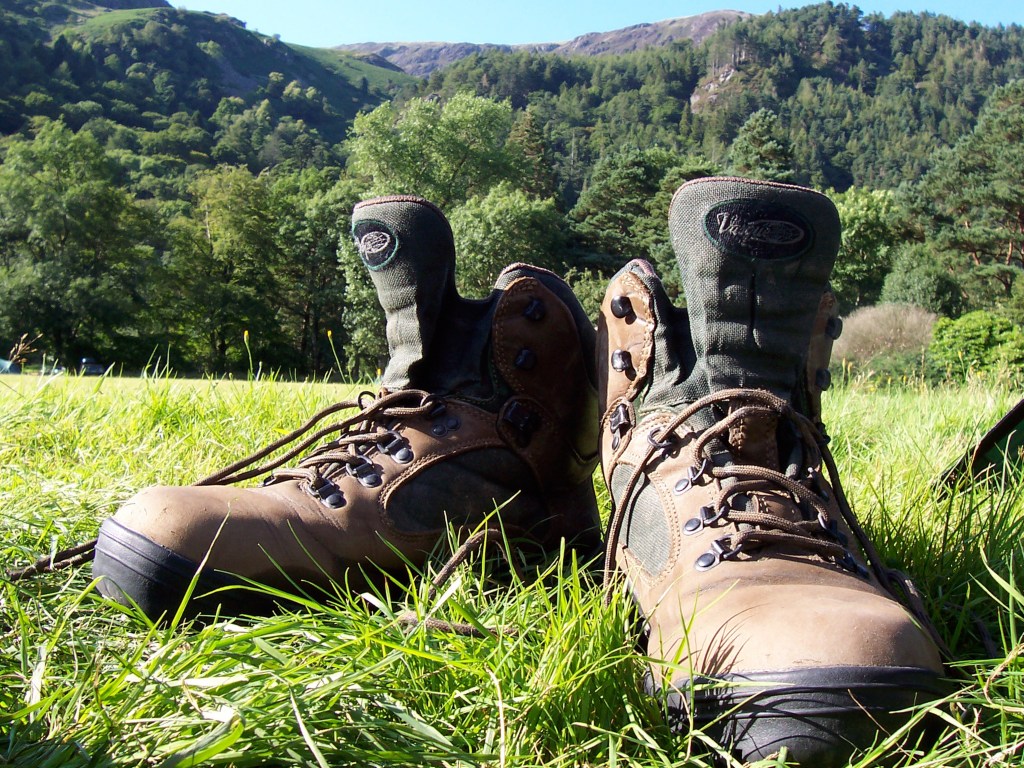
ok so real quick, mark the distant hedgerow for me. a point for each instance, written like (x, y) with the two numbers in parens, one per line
(978, 342)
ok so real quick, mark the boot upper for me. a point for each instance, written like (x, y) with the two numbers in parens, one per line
(486, 408)
(731, 536)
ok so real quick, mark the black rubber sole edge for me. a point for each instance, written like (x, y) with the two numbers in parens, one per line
(822, 715)
(135, 569)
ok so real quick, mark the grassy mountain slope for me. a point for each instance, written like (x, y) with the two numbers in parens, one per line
(146, 57)
(862, 99)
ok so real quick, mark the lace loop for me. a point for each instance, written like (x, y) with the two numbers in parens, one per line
(353, 439)
(750, 491)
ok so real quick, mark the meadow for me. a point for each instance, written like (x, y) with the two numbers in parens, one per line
(85, 682)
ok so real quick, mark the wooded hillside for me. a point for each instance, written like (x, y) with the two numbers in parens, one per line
(175, 187)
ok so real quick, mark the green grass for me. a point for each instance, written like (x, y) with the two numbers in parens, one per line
(95, 23)
(353, 68)
(84, 682)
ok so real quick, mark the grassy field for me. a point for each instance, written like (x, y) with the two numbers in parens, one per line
(84, 682)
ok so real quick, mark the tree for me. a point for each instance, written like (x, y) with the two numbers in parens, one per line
(311, 212)
(443, 152)
(872, 226)
(974, 193)
(977, 341)
(503, 227)
(76, 250)
(652, 230)
(617, 199)
(222, 295)
(918, 278)
(761, 149)
(527, 137)
(623, 212)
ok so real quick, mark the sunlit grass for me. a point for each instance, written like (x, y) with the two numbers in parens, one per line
(84, 682)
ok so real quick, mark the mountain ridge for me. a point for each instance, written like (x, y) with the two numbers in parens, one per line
(420, 59)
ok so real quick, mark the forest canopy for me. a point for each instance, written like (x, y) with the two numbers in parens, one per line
(176, 188)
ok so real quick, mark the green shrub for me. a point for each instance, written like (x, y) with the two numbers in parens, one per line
(978, 342)
(917, 278)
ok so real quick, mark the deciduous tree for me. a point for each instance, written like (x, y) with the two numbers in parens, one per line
(503, 227)
(74, 253)
(443, 152)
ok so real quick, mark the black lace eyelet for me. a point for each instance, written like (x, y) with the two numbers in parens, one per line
(850, 564)
(535, 310)
(443, 426)
(327, 492)
(692, 475)
(621, 307)
(834, 327)
(396, 447)
(622, 361)
(719, 551)
(523, 420)
(831, 527)
(666, 444)
(526, 360)
(706, 562)
(618, 424)
(708, 515)
(365, 472)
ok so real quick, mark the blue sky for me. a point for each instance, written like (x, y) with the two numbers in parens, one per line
(332, 22)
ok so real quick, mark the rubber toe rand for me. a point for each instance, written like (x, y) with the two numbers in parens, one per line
(821, 715)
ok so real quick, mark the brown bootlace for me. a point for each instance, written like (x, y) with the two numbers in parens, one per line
(815, 536)
(357, 435)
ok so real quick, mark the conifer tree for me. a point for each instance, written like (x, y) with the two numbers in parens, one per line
(761, 150)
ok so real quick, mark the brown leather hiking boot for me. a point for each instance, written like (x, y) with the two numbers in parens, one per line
(483, 404)
(769, 618)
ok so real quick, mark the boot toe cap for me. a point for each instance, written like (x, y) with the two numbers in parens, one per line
(765, 667)
(134, 570)
(169, 543)
(821, 715)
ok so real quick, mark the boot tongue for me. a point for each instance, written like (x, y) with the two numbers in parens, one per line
(757, 440)
(755, 258)
(754, 440)
(407, 245)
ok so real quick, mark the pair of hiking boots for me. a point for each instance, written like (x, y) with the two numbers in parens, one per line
(768, 618)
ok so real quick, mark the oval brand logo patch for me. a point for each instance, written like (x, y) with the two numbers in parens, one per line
(373, 243)
(376, 243)
(757, 229)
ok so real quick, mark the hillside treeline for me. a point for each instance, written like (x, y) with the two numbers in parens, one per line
(176, 189)
(862, 100)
